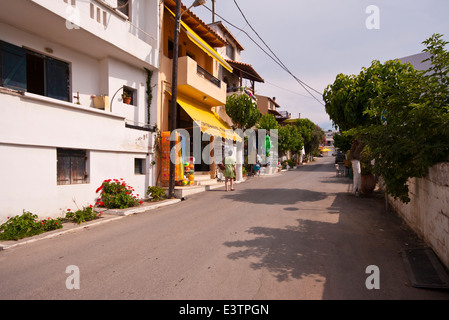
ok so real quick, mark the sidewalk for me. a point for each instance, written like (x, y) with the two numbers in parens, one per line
(107, 215)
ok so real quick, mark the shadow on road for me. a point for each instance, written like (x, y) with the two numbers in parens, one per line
(336, 252)
(318, 166)
(276, 196)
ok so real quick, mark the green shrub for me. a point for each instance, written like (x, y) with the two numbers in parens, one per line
(156, 193)
(79, 216)
(27, 225)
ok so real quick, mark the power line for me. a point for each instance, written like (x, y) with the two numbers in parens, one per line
(277, 60)
(302, 83)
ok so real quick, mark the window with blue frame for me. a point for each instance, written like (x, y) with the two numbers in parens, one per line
(25, 70)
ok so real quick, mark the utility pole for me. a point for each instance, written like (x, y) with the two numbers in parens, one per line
(174, 94)
(213, 11)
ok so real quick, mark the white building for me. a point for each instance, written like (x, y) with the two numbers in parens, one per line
(57, 141)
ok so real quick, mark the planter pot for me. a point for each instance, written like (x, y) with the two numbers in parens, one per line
(368, 183)
(101, 102)
(127, 100)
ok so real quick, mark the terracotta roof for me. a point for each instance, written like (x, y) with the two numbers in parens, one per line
(199, 26)
(248, 71)
(227, 33)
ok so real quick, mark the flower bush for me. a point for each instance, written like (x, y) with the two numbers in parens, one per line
(27, 225)
(82, 215)
(116, 194)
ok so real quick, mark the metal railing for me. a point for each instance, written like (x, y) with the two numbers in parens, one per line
(284, 114)
(206, 75)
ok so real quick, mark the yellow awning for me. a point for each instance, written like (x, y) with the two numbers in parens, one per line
(209, 121)
(203, 44)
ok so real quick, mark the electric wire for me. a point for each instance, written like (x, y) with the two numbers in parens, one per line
(302, 83)
(276, 61)
(283, 65)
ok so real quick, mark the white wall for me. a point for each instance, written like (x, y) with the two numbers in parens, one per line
(428, 211)
(29, 176)
(31, 130)
(33, 127)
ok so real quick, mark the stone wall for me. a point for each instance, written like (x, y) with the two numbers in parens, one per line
(428, 211)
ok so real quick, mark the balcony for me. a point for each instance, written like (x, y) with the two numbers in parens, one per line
(197, 83)
(283, 115)
(242, 90)
(91, 27)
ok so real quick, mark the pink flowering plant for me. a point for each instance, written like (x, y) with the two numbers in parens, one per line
(116, 194)
(27, 225)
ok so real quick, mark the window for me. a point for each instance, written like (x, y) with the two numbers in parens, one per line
(139, 166)
(170, 49)
(71, 166)
(25, 70)
(123, 6)
(230, 52)
(12, 66)
(129, 93)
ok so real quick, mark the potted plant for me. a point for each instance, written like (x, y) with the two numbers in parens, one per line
(126, 96)
(368, 178)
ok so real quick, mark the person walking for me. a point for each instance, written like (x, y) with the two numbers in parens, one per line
(229, 172)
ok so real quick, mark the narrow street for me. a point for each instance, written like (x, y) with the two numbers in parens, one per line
(295, 235)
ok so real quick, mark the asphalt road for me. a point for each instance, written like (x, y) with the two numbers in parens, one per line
(295, 235)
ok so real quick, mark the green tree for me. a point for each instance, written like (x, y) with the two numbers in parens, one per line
(414, 107)
(242, 111)
(290, 139)
(342, 142)
(349, 99)
(267, 122)
(316, 138)
(311, 134)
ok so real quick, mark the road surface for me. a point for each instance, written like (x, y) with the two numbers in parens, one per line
(295, 235)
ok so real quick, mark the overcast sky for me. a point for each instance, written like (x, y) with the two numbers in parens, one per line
(318, 39)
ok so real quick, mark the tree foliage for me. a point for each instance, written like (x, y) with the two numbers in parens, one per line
(312, 135)
(402, 115)
(242, 110)
(290, 138)
(267, 122)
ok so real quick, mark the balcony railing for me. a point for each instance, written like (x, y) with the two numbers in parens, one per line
(242, 90)
(284, 114)
(206, 75)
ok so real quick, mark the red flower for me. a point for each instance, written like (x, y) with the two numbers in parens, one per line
(141, 202)
(68, 209)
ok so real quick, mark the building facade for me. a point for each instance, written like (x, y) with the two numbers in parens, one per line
(65, 127)
(200, 90)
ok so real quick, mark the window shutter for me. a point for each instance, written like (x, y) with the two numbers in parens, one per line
(63, 167)
(57, 78)
(78, 167)
(13, 66)
(71, 166)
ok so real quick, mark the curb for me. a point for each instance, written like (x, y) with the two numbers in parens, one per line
(107, 216)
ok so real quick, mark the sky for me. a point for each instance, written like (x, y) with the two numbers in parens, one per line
(318, 39)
